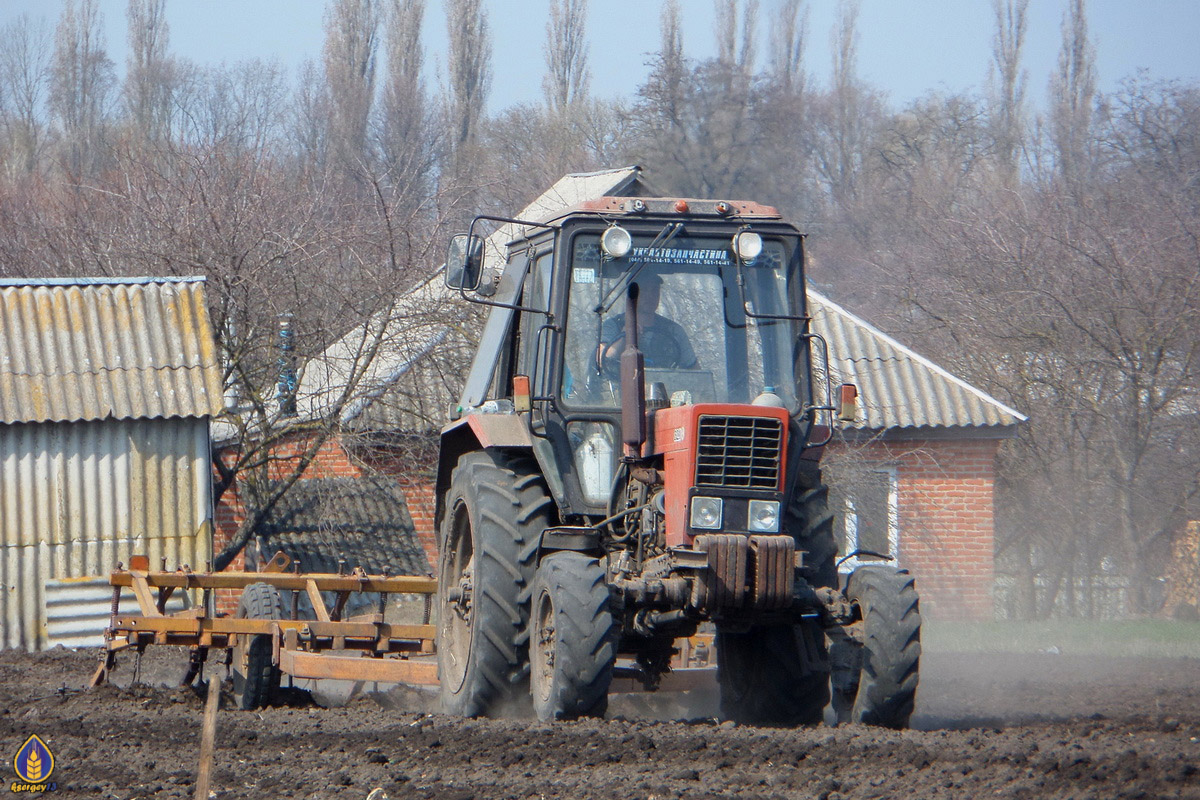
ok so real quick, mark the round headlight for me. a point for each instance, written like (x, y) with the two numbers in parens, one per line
(616, 242)
(748, 245)
(706, 512)
(764, 516)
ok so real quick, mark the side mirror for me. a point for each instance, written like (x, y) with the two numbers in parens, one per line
(464, 262)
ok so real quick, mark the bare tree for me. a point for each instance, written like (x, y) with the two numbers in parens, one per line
(1007, 82)
(788, 37)
(845, 120)
(470, 68)
(726, 28)
(406, 131)
(1079, 305)
(697, 126)
(351, 40)
(81, 84)
(566, 81)
(1072, 93)
(148, 76)
(24, 64)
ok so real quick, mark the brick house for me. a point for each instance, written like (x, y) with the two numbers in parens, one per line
(914, 476)
(912, 479)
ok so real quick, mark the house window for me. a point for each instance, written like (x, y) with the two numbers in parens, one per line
(867, 514)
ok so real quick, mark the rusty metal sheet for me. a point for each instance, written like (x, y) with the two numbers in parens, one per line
(500, 430)
(677, 680)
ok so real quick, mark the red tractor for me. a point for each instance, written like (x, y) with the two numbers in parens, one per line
(636, 454)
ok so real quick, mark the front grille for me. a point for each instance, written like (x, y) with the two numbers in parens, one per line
(739, 452)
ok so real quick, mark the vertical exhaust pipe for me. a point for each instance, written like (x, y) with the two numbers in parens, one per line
(633, 382)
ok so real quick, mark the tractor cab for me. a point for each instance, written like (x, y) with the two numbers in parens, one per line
(720, 320)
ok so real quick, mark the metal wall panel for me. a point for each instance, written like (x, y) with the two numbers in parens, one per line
(76, 498)
(78, 610)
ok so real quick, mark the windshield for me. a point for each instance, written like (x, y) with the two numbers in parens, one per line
(698, 343)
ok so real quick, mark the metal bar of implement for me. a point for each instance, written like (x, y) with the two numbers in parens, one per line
(318, 602)
(231, 626)
(677, 680)
(326, 582)
(141, 590)
(382, 670)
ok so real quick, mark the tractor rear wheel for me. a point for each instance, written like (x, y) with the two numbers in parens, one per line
(255, 677)
(495, 511)
(572, 648)
(809, 520)
(773, 676)
(881, 686)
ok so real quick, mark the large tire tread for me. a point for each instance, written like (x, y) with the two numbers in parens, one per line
(810, 521)
(509, 507)
(887, 686)
(585, 647)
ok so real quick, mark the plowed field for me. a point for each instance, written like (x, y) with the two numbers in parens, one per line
(987, 726)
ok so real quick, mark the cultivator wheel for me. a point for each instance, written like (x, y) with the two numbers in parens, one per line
(877, 685)
(496, 509)
(255, 676)
(572, 647)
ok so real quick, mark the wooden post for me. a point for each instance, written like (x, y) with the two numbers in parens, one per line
(207, 737)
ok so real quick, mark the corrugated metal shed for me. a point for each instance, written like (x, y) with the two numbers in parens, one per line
(104, 447)
(899, 389)
(78, 609)
(96, 349)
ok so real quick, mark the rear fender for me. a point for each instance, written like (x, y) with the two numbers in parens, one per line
(476, 432)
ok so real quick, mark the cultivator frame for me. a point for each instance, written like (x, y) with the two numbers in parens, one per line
(313, 649)
(301, 648)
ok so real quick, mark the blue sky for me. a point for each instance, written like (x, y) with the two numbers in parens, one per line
(906, 47)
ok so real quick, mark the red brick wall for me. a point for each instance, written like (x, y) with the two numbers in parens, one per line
(946, 520)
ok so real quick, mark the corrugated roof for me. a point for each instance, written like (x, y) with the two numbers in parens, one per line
(897, 387)
(422, 319)
(88, 349)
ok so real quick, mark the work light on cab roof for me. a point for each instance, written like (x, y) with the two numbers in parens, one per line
(616, 242)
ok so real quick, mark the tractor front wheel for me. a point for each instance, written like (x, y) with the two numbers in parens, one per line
(571, 641)
(877, 685)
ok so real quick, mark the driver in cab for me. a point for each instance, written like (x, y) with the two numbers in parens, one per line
(663, 342)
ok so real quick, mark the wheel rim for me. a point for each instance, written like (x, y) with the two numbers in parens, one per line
(457, 602)
(542, 656)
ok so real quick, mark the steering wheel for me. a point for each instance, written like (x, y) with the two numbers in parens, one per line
(660, 350)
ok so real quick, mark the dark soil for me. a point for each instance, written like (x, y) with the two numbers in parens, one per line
(987, 726)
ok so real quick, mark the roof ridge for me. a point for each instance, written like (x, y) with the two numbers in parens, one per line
(102, 281)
